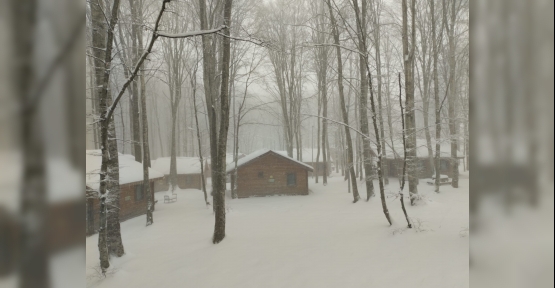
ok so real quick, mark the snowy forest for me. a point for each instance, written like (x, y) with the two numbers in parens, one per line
(369, 97)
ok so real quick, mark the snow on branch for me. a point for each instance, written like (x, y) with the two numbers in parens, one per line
(190, 34)
(153, 38)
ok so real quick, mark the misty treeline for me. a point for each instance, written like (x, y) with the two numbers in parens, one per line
(207, 79)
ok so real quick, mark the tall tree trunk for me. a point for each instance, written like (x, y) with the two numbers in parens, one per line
(146, 156)
(436, 97)
(109, 240)
(379, 148)
(408, 57)
(136, 128)
(404, 156)
(361, 29)
(203, 179)
(350, 165)
(159, 129)
(209, 80)
(220, 167)
(173, 149)
(451, 99)
(380, 103)
(325, 148)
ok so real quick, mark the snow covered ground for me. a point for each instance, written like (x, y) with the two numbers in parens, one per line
(319, 240)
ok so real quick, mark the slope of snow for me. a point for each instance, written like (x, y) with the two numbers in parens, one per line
(129, 169)
(259, 153)
(318, 240)
(184, 165)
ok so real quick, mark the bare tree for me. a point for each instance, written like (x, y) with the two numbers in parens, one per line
(175, 57)
(404, 157)
(194, 86)
(109, 240)
(345, 117)
(436, 95)
(360, 17)
(449, 24)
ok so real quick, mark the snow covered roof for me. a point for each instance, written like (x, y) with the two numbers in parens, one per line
(308, 155)
(259, 153)
(421, 149)
(184, 165)
(129, 170)
(229, 158)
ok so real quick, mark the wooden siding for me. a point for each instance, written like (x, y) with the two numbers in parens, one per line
(129, 206)
(275, 167)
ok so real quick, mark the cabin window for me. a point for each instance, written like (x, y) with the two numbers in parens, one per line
(260, 174)
(139, 193)
(291, 179)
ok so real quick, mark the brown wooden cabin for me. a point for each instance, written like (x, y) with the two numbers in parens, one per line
(188, 173)
(266, 172)
(132, 202)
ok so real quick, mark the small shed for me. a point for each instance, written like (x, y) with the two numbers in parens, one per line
(188, 173)
(266, 172)
(132, 197)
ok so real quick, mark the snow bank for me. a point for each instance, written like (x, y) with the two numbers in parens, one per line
(297, 242)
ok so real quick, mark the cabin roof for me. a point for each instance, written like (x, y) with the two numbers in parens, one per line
(184, 165)
(129, 170)
(256, 154)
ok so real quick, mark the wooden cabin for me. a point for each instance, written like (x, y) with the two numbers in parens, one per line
(132, 202)
(266, 172)
(188, 173)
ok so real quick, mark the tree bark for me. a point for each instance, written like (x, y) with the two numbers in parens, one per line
(203, 179)
(109, 240)
(209, 80)
(146, 157)
(220, 167)
(404, 156)
(451, 99)
(361, 32)
(436, 98)
(136, 47)
(408, 60)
